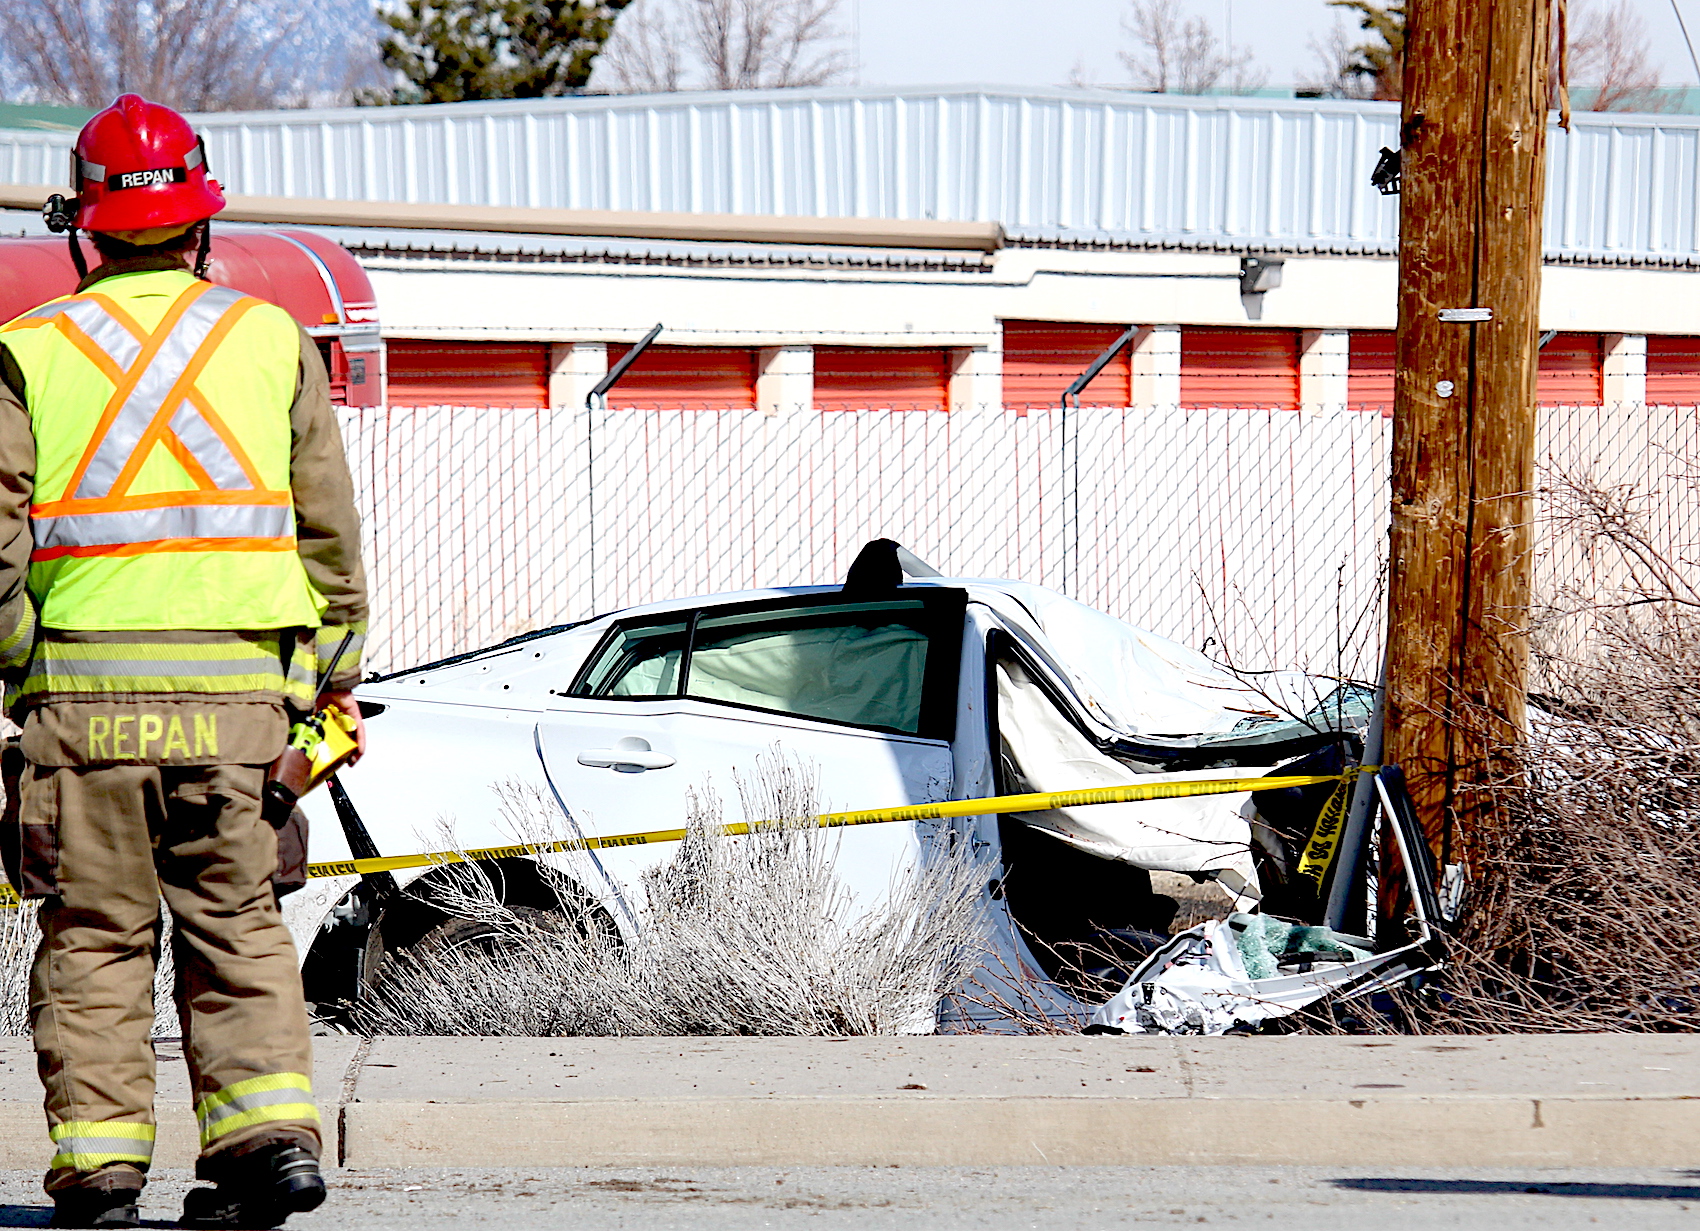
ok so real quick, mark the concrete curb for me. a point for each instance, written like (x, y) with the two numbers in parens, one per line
(1550, 1100)
(1017, 1131)
(1575, 1100)
(24, 1143)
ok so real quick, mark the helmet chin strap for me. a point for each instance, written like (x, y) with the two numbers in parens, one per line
(77, 255)
(203, 252)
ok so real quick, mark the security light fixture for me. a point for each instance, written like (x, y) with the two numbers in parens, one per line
(1259, 274)
(1385, 177)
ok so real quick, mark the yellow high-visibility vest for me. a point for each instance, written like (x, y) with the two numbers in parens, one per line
(160, 408)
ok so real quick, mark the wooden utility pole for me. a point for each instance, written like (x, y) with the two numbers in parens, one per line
(1473, 140)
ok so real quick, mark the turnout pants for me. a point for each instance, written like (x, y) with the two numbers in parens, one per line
(124, 836)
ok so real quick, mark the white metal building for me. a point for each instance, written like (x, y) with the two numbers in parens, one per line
(824, 262)
(1116, 209)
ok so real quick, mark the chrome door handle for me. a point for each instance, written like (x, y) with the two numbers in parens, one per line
(627, 762)
(628, 756)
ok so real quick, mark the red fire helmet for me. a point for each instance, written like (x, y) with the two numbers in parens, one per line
(139, 165)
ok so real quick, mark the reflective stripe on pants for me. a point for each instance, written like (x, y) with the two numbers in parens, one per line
(286, 1097)
(84, 1145)
(127, 835)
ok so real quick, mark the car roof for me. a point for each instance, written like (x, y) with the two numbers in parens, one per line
(1126, 681)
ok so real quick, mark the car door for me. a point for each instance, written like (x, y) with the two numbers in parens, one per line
(861, 694)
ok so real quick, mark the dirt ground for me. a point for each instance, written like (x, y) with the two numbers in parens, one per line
(1198, 902)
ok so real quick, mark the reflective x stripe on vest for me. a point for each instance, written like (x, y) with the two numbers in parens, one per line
(154, 402)
(274, 1098)
(87, 1145)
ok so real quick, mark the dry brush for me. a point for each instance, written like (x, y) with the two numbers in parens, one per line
(1586, 914)
(751, 935)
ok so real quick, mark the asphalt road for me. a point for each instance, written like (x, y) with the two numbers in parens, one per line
(985, 1199)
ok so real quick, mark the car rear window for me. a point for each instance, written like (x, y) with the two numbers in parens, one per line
(888, 664)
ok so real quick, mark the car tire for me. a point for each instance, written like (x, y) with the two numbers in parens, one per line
(490, 939)
(486, 937)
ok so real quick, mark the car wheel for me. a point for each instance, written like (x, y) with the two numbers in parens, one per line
(488, 939)
(495, 943)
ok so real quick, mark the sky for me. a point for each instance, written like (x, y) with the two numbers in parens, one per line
(1043, 42)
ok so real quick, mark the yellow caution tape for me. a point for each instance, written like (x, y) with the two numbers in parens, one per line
(1325, 838)
(1041, 801)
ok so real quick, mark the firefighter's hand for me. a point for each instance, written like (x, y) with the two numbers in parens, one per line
(344, 701)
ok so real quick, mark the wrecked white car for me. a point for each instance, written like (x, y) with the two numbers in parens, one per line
(903, 687)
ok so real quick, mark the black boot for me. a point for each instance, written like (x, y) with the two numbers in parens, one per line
(95, 1207)
(258, 1191)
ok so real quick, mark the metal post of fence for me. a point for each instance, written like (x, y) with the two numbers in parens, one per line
(1071, 459)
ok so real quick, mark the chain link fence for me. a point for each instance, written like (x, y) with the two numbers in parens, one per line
(1617, 521)
(1256, 535)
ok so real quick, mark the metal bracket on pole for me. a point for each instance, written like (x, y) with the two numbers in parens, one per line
(596, 399)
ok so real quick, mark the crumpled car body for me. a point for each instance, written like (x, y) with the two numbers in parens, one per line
(1246, 969)
(936, 689)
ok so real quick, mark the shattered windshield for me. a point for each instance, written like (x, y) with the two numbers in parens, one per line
(1347, 708)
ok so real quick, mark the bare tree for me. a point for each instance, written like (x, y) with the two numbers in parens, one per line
(1175, 54)
(643, 56)
(1379, 61)
(724, 45)
(1584, 914)
(1337, 73)
(197, 55)
(1080, 77)
(1611, 52)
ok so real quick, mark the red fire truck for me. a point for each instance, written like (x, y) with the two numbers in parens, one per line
(316, 281)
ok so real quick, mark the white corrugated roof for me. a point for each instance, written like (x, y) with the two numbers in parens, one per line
(1072, 166)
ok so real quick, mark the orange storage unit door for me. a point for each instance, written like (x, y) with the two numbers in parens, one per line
(468, 374)
(1673, 371)
(892, 378)
(1369, 371)
(1240, 367)
(1042, 358)
(1571, 372)
(685, 378)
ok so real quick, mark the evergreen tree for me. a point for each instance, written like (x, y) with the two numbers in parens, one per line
(1380, 61)
(450, 51)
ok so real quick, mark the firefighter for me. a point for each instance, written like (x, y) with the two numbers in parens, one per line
(178, 559)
